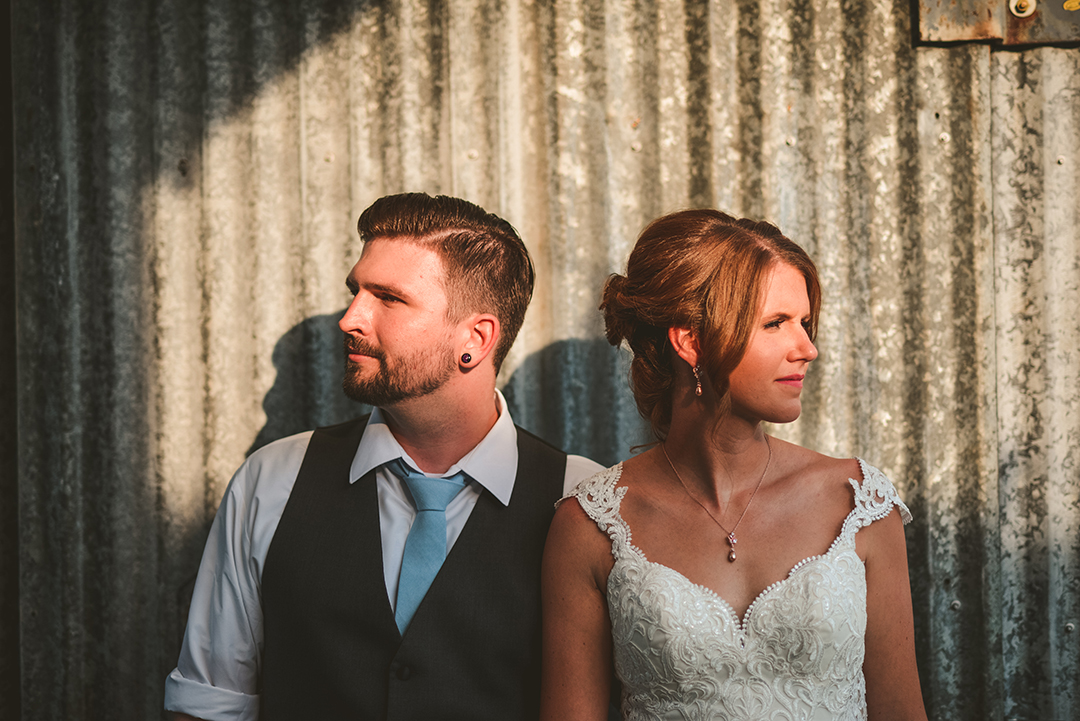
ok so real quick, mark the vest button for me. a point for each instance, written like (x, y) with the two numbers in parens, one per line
(404, 672)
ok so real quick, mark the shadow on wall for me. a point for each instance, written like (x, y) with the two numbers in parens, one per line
(307, 388)
(572, 393)
(575, 394)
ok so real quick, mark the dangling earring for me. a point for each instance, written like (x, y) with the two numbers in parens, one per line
(697, 377)
(466, 358)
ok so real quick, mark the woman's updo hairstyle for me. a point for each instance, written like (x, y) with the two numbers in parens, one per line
(703, 270)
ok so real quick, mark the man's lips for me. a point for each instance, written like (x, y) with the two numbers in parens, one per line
(794, 380)
(356, 352)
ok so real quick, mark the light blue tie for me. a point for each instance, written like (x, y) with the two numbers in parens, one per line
(425, 548)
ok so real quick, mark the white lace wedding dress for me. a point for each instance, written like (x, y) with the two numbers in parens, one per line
(683, 654)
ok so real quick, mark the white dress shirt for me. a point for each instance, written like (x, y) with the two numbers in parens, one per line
(218, 670)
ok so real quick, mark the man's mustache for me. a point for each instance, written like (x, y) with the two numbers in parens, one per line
(359, 346)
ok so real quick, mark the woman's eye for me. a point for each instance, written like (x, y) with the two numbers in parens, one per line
(774, 323)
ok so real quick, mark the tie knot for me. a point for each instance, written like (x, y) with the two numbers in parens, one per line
(429, 494)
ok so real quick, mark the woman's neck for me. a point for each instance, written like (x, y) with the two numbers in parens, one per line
(720, 455)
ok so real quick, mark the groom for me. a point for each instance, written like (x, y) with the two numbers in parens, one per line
(388, 567)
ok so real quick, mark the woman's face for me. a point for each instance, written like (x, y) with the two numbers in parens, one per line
(767, 383)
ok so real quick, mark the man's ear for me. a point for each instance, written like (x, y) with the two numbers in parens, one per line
(480, 335)
(685, 343)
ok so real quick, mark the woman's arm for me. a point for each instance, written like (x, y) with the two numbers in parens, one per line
(892, 679)
(577, 665)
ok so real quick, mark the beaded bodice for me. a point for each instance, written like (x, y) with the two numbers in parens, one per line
(682, 652)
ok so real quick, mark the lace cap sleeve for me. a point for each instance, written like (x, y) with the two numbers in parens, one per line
(875, 497)
(600, 499)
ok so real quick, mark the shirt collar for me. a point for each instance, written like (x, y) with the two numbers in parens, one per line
(492, 462)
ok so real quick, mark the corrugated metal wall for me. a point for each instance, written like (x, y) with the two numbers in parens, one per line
(188, 177)
(9, 505)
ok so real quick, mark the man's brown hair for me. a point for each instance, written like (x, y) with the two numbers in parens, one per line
(488, 268)
(703, 270)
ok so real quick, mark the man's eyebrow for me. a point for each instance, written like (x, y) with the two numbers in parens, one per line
(383, 288)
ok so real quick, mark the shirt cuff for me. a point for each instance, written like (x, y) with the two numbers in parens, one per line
(208, 702)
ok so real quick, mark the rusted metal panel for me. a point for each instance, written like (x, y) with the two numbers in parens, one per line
(958, 20)
(1010, 22)
(1038, 22)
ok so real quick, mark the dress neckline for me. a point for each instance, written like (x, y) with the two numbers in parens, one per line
(740, 622)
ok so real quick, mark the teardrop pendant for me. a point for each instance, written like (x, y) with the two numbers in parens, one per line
(731, 542)
(731, 555)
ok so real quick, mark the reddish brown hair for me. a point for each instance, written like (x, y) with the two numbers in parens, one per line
(703, 270)
(488, 268)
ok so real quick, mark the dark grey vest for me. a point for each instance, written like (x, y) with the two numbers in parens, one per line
(331, 647)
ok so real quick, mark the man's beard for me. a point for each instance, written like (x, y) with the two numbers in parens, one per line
(410, 376)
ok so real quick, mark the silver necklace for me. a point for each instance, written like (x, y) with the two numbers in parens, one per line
(731, 539)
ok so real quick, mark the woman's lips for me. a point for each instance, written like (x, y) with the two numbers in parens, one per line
(793, 381)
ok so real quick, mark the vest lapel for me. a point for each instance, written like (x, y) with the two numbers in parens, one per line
(369, 536)
(476, 534)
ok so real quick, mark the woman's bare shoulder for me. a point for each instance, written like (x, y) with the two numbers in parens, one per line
(645, 484)
(576, 544)
(640, 467)
(571, 522)
(803, 464)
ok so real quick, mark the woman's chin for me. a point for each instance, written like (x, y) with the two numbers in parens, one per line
(785, 415)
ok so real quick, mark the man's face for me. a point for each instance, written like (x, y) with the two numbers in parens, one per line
(399, 342)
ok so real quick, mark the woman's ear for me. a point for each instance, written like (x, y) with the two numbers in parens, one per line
(685, 343)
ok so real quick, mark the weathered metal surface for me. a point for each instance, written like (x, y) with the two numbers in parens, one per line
(9, 466)
(188, 176)
(957, 20)
(1012, 22)
(1039, 22)
(1037, 245)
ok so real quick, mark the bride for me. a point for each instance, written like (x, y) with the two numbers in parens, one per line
(725, 574)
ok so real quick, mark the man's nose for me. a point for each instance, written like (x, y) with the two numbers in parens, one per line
(356, 317)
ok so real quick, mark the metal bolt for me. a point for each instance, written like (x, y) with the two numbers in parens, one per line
(636, 146)
(944, 137)
(955, 605)
(789, 141)
(1061, 160)
(1022, 8)
(474, 154)
(1070, 627)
